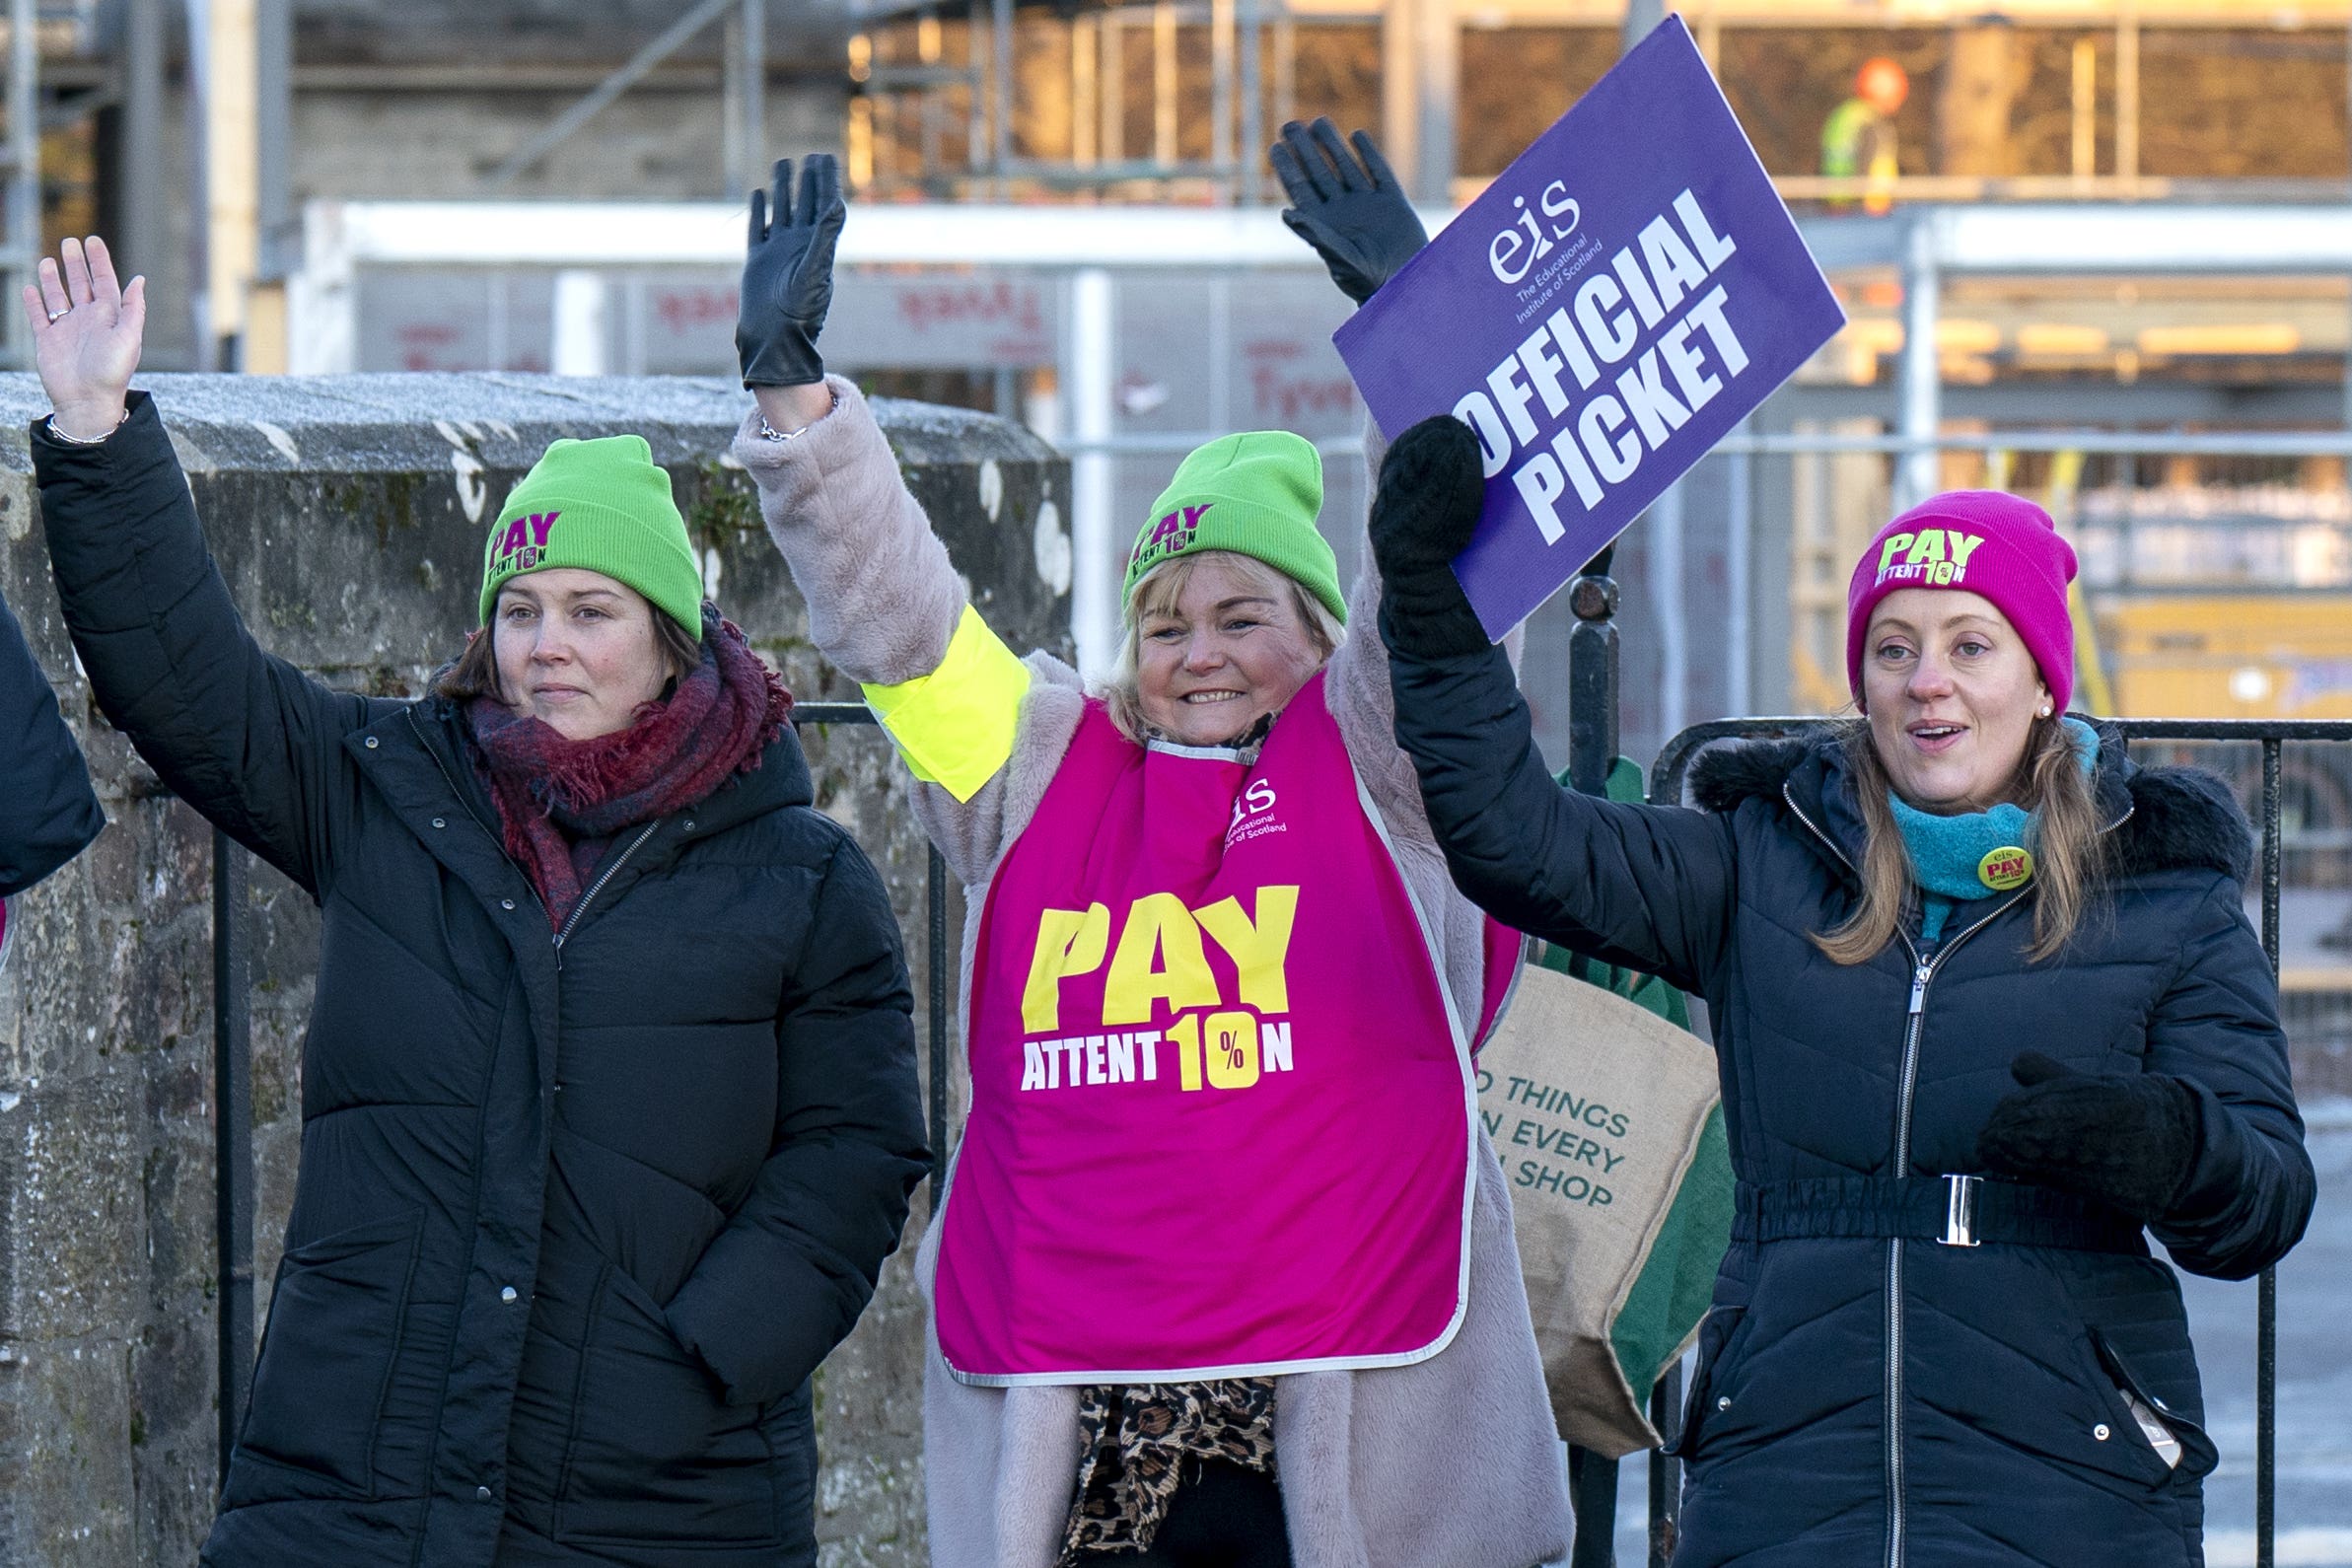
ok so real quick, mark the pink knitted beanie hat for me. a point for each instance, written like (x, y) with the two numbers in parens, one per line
(1984, 541)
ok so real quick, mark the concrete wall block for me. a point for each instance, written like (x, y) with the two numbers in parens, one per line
(69, 1478)
(175, 1422)
(349, 514)
(73, 1163)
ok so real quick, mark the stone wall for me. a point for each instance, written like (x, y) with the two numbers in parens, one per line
(348, 514)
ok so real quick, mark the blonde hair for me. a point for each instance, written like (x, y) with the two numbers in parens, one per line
(1157, 593)
(2069, 856)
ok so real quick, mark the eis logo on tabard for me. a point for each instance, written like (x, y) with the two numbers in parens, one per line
(1253, 814)
(1513, 254)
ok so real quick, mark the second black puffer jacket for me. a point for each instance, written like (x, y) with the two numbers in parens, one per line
(1865, 1400)
(576, 1218)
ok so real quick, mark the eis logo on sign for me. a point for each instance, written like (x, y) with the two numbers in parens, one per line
(1513, 254)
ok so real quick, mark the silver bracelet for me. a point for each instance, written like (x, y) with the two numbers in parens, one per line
(85, 441)
(768, 432)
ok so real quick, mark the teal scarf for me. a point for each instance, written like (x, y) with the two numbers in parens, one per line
(1976, 854)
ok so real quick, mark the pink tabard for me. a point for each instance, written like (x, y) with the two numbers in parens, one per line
(1222, 1111)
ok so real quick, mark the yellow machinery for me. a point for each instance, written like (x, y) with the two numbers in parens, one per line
(2211, 600)
(2222, 655)
(2194, 601)
(2235, 603)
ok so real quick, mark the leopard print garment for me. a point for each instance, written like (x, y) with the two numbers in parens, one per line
(1134, 1440)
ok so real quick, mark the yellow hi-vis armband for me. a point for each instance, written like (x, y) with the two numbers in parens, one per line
(955, 726)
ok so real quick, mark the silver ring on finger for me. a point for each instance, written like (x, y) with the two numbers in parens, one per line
(59, 316)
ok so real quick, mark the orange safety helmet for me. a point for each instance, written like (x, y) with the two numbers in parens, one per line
(1882, 85)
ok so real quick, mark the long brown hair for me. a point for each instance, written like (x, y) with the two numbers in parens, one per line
(474, 671)
(2069, 855)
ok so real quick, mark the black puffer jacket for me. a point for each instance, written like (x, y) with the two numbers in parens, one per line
(1864, 1399)
(48, 813)
(575, 1220)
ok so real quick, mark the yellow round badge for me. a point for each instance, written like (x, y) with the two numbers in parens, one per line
(2010, 866)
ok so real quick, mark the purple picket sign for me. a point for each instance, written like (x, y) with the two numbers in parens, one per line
(1622, 296)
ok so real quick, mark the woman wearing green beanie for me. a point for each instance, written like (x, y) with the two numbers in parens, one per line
(1225, 1261)
(609, 1113)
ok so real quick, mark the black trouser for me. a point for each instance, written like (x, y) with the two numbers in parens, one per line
(1224, 1516)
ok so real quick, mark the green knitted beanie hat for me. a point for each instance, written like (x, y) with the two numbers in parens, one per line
(1255, 494)
(603, 505)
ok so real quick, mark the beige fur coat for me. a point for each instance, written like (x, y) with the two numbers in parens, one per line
(1453, 1463)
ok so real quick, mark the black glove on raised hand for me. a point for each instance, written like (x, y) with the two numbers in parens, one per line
(1432, 486)
(1356, 216)
(2128, 1142)
(788, 276)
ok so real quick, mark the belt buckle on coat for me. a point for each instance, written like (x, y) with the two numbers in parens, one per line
(1959, 1211)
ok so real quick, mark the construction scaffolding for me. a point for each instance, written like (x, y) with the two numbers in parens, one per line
(940, 92)
(20, 245)
(992, 100)
(745, 25)
(918, 102)
(40, 32)
(20, 156)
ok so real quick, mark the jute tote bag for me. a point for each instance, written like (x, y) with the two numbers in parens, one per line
(1606, 1118)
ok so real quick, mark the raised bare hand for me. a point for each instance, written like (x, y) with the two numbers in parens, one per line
(87, 333)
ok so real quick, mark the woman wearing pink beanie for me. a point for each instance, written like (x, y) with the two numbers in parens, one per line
(1988, 1014)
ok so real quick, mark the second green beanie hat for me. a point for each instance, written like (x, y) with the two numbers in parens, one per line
(603, 505)
(1255, 494)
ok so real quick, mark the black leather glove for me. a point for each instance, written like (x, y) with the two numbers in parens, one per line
(788, 276)
(2128, 1142)
(1432, 486)
(1356, 217)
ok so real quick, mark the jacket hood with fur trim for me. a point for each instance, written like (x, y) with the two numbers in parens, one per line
(2174, 818)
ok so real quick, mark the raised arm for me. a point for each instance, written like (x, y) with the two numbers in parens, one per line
(1350, 208)
(1650, 888)
(247, 738)
(47, 811)
(977, 726)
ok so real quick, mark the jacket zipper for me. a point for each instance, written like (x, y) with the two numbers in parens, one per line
(597, 887)
(1923, 971)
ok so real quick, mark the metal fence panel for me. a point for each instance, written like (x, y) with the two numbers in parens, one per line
(1593, 686)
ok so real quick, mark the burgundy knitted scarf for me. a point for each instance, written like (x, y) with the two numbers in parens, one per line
(555, 796)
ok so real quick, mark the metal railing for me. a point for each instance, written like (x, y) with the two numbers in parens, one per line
(1593, 694)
